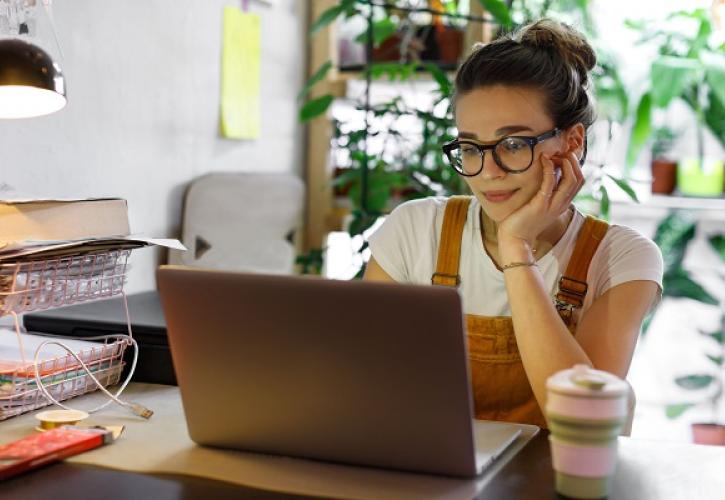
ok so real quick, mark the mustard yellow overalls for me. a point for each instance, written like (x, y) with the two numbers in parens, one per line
(501, 390)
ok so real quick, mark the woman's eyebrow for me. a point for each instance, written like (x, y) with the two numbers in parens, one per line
(510, 129)
(507, 130)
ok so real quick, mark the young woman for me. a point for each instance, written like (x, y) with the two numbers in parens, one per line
(543, 287)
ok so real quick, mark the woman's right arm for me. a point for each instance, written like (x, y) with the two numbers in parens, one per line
(373, 272)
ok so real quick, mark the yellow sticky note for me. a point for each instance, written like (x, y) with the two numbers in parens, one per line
(240, 79)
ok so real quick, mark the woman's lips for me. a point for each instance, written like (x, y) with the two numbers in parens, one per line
(498, 196)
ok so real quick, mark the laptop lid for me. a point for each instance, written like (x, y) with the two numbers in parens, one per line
(347, 371)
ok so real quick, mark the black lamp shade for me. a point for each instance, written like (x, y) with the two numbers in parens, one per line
(31, 84)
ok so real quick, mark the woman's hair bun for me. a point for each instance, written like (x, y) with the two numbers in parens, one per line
(569, 43)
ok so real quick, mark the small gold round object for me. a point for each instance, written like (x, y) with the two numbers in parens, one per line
(55, 418)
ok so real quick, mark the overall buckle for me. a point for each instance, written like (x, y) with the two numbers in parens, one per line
(456, 278)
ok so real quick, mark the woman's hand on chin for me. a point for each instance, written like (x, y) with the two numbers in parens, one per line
(519, 230)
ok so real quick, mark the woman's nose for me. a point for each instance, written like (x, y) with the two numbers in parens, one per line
(491, 169)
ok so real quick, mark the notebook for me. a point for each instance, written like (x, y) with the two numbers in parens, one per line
(355, 372)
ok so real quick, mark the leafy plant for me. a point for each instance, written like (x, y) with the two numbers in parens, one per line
(410, 164)
(311, 262)
(690, 68)
(673, 236)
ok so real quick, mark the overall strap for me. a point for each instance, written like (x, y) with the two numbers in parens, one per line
(449, 248)
(573, 285)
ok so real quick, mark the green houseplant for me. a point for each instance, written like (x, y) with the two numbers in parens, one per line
(409, 164)
(674, 235)
(691, 69)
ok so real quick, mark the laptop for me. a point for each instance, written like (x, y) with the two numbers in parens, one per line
(354, 372)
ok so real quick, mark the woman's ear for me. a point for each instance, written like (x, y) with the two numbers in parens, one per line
(575, 136)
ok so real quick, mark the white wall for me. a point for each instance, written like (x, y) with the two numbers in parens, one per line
(143, 111)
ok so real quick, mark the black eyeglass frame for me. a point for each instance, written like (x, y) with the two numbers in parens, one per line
(532, 141)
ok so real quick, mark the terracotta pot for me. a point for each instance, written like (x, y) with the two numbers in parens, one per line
(388, 50)
(440, 44)
(344, 189)
(708, 434)
(450, 44)
(664, 176)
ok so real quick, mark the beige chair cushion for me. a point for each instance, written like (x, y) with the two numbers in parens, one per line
(241, 222)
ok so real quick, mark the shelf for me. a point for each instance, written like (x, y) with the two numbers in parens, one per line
(678, 202)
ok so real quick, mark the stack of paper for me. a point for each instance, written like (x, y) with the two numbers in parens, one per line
(51, 249)
(15, 362)
(60, 373)
(44, 229)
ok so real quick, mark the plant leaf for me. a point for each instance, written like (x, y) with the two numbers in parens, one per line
(444, 84)
(624, 186)
(319, 75)
(315, 107)
(694, 382)
(604, 203)
(677, 283)
(646, 324)
(361, 222)
(717, 242)
(673, 235)
(670, 76)
(715, 116)
(715, 359)
(715, 73)
(499, 10)
(327, 17)
(382, 30)
(718, 337)
(641, 129)
(674, 411)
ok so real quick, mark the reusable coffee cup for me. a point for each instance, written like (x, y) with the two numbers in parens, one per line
(586, 410)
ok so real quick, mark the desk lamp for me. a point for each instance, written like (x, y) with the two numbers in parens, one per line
(31, 84)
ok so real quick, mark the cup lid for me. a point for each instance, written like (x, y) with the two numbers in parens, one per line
(581, 380)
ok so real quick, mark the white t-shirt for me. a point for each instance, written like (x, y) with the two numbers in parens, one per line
(406, 247)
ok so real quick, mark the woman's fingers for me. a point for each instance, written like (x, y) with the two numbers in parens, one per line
(578, 173)
(567, 187)
(548, 183)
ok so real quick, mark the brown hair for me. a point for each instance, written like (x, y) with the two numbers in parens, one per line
(546, 55)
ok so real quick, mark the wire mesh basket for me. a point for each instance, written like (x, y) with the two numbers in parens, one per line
(33, 285)
(41, 284)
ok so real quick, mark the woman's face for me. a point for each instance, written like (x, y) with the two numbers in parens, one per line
(486, 115)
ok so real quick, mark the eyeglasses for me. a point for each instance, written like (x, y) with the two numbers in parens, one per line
(514, 154)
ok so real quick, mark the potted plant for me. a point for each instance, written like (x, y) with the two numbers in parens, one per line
(674, 235)
(691, 69)
(712, 432)
(664, 167)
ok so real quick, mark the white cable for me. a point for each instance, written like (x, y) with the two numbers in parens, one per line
(112, 397)
(138, 409)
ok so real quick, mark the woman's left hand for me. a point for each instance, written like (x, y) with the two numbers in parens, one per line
(524, 225)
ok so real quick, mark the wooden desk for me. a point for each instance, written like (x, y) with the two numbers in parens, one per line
(646, 470)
